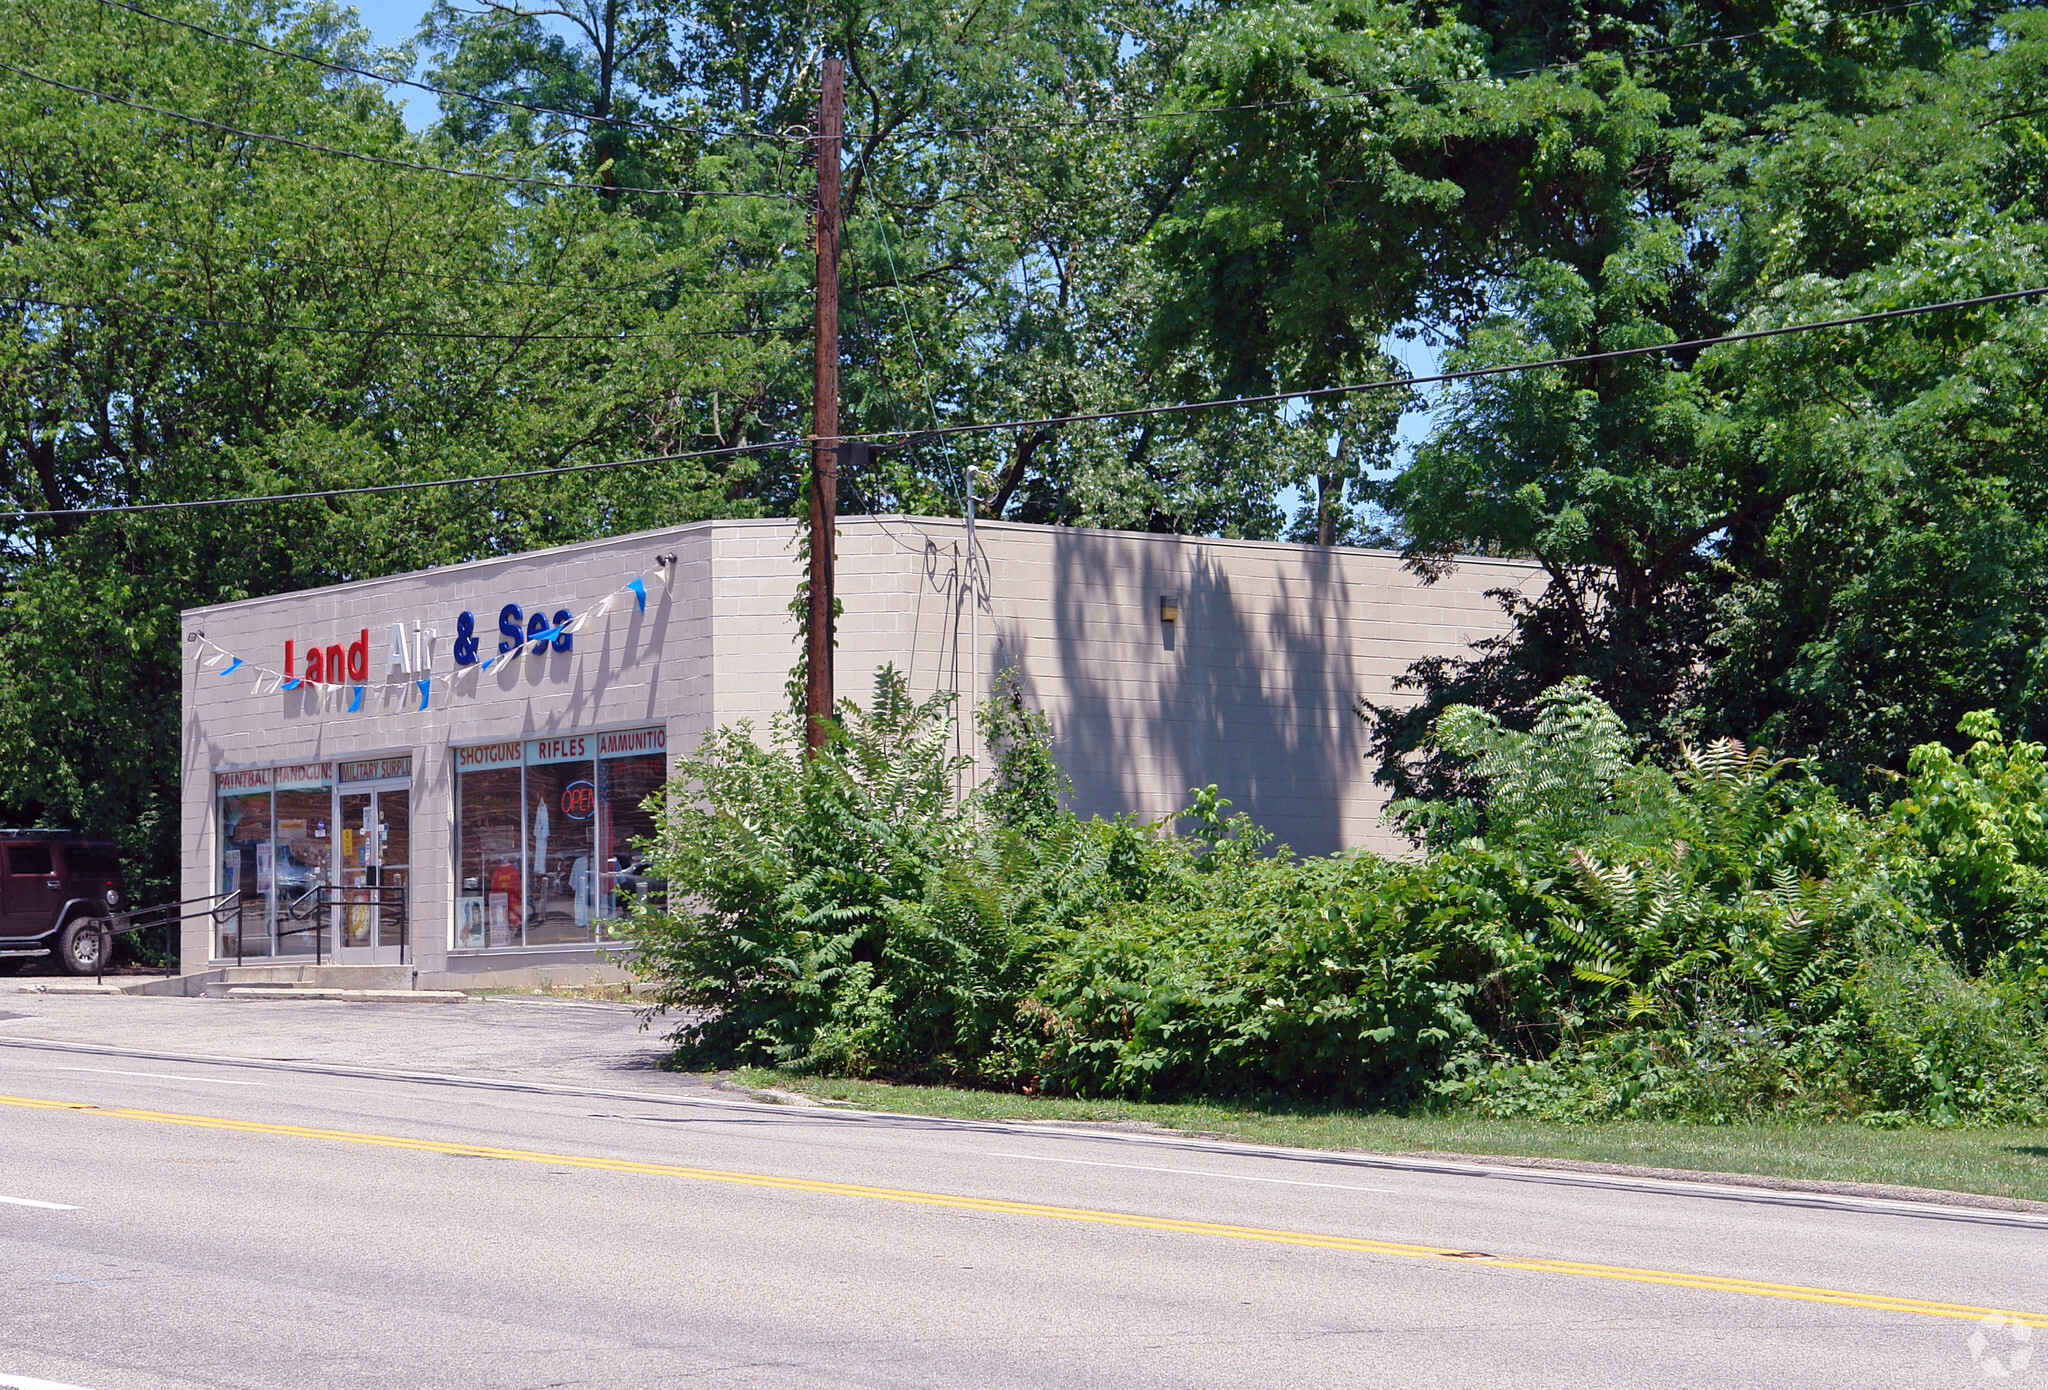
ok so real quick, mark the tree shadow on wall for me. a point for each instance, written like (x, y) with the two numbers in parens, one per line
(1248, 688)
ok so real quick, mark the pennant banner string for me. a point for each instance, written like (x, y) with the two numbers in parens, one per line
(270, 681)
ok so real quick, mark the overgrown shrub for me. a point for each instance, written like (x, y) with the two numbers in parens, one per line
(1589, 934)
(849, 912)
(1981, 821)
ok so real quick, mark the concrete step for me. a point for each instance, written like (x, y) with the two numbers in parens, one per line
(213, 988)
(215, 981)
(257, 993)
(75, 987)
(311, 976)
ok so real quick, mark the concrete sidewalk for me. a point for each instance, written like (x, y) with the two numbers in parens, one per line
(566, 1042)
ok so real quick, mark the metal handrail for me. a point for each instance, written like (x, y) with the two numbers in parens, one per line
(318, 894)
(385, 897)
(216, 906)
(221, 907)
(320, 899)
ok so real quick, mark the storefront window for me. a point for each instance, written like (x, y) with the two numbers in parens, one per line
(275, 850)
(301, 854)
(544, 831)
(561, 806)
(245, 861)
(490, 857)
(624, 782)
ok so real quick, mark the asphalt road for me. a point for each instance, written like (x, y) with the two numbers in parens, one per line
(199, 1193)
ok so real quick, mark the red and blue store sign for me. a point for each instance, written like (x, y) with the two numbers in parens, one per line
(516, 627)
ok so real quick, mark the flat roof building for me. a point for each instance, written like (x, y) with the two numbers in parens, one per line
(443, 771)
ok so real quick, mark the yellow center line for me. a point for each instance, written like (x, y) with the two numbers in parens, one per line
(1884, 1303)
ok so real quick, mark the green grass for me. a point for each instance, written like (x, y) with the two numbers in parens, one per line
(601, 991)
(1996, 1162)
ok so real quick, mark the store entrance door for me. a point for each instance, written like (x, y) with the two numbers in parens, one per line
(372, 925)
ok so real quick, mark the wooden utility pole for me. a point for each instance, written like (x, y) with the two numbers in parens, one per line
(825, 412)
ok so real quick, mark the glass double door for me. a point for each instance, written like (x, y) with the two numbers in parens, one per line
(374, 837)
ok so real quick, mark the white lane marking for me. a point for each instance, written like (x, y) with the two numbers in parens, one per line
(32, 1202)
(1195, 1173)
(155, 1076)
(25, 1383)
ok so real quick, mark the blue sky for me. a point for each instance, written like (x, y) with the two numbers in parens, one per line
(393, 22)
(1418, 359)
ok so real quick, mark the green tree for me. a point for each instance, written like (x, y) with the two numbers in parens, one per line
(1531, 182)
(195, 313)
(1894, 581)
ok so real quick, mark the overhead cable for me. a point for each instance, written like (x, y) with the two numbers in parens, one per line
(905, 438)
(519, 179)
(286, 326)
(1439, 378)
(654, 282)
(727, 451)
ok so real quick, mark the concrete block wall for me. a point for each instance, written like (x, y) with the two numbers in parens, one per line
(1253, 688)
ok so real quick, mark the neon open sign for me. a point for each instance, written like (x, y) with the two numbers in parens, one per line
(579, 800)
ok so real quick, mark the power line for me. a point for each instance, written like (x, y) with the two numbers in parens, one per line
(332, 66)
(726, 451)
(281, 325)
(650, 285)
(903, 308)
(1469, 374)
(286, 326)
(910, 437)
(384, 159)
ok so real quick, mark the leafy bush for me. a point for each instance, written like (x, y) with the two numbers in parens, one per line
(1981, 820)
(1239, 972)
(1586, 933)
(847, 912)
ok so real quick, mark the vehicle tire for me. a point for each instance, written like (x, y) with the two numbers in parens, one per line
(79, 946)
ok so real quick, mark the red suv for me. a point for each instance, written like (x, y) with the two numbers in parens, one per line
(56, 886)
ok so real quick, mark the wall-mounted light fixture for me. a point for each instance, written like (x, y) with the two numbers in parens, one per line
(1169, 608)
